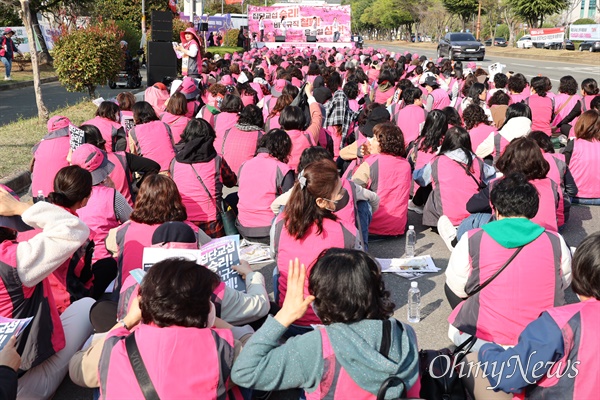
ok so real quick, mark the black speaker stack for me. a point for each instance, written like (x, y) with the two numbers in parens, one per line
(162, 62)
(279, 38)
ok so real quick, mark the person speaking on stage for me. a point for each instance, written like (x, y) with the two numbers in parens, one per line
(191, 48)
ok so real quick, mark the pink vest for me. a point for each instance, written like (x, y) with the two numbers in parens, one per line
(272, 123)
(99, 216)
(383, 97)
(561, 99)
(200, 207)
(452, 188)
(50, 156)
(518, 97)
(500, 144)
(222, 122)
(238, 146)
(107, 128)
(208, 116)
(335, 137)
(500, 311)
(177, 123)
(355, 163)
(121, 175)
(170, 355)
(300, 140)
(260, 182)
(546, 215)
(584, 166)
(348, 214)
(307, 249)
(409, 120)
(268, 104)
(354, 106)
(586, 105)
(558, 168)
(153, 140)
(541, 113)
(422, 157)
(390, 178)
(132, 237)
(192, 105)
(440, 99)
(579, 326)
(479, 133)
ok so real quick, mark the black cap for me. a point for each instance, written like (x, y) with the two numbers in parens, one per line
(378, 115)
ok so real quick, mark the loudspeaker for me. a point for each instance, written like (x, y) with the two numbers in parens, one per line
(279, 38)
(204, 27)
(310, 38)
(162, 62)
(162, 26)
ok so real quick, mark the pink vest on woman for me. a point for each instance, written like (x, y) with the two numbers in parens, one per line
(307, 249)
(440, 99)
(120, 175)
(546, 215)
(501, 311)
(541, 113)
(409, 120)
(50, 156)
(272, 123)
(557, 171)
(107, 128)
(300, 140)
(177, 123)
(390, 178)
(222, 122)
(585, 166)
(586, 104)
(561, 99)
(518, 97)
(171, 356)
(153, 140)
(200, 207)
(238, 147)
(132, 237)
(99, 216)
(479, 133)
(260, 181)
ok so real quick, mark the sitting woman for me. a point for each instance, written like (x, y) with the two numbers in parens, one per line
(288, 95)
(174, 115)
(240, 142)
(200, 174)
(230, 109)
(308, 225)
(346, 357)
(108, 120)
(261, 180)
(174, 311)
(387, 173)
(478, 125)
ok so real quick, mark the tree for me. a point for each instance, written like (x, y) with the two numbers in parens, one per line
(9, 16)
(88, 57)
(534, 11)
(584, 21)
(465, 9)
(131, 10)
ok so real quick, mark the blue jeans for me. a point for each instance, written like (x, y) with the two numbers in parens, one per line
(336, 36)
(471, 222)
(587, 202)
(365, 215)
(7, 65)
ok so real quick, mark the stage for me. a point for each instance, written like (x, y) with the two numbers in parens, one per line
(305, 45)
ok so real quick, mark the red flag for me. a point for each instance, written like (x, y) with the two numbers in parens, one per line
(173, 5)
(233, 1)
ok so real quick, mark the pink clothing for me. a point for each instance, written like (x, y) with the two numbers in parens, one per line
(99, 216)
(177, 123)
(50, 156)
(584, 166)
(479, 133)
(410, 120)
(222, 122)
(238, 146)
(541, 113)
(199, 205)
(153, 140)
(108, 129)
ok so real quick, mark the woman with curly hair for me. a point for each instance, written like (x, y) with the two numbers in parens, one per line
(344, 356)
(261, 179)
(478, 125)
(387, 173)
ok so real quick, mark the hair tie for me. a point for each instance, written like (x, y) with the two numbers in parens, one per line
(302, 179)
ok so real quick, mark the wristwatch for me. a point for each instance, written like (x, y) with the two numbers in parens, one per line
(122, 322)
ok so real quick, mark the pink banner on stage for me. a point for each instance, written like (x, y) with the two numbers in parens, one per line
(299, 22)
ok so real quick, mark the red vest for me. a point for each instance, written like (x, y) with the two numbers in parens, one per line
(307, 249)
(200, 207)
(50, 156)
(153, 140)
(409, 121)
(585, 166)
(260, 181)
(99, 216)
(500, 311)
(390, 178)
(238, 146)
(45, 335)
(120, 175)
(108, 129)
(177, 123)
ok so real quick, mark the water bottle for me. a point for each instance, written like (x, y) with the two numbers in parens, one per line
(411, 241)
(414, 303)
(40, 196)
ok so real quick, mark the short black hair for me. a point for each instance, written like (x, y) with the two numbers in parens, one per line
(586, 267)
(523, 155)
(251, 115)
(348, 287)
(514, 196)
(474, 115)
(411, 94)
(351, 90)
(334, 81)
(595, 104)
(539, 84)
(93, 136)
(515, 110)
(198, 128)
(71, 185)
(499, 98)
(143, 113)
(292, 117)
(312, 154)
(517, 83)
(109, 110)
(568, 85)
(452, 116)
(500, 81)
(232, 104)
(176, 292)
(543, 140)
(278, 143)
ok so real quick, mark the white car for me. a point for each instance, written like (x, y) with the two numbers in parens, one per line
(525, 42)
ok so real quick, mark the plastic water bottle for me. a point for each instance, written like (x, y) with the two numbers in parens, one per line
(411, 241)
(414, 303)
(40, 196)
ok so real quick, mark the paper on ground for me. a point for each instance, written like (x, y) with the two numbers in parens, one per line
(409, 268)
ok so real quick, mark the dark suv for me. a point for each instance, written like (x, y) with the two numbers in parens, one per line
(460, 45)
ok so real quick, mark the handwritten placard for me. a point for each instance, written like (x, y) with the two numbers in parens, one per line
(77, 137)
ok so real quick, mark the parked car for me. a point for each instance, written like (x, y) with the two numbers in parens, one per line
(459, 45)
(569, 45)
(525, 42)
(553, 45)
(499, 42)
(590, 46)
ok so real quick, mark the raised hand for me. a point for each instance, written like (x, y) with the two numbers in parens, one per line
(294, 305)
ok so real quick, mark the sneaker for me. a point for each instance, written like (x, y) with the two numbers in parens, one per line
(7, 78)
(447, 231)
(413, 207)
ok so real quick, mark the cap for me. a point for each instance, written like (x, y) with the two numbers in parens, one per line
(377, 116)
(94, 160)
(8, 30)
(414, 284)
(322, 94)
(431, 81)
(189, 88)
(178, 232)
(58, 122)
(278, 87)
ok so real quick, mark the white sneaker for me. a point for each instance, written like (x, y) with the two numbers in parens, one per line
(7, 78)
(447, 231)
(413, 207)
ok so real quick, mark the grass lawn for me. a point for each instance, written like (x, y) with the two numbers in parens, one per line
(223, 50)
(26, 74)
(17, 139)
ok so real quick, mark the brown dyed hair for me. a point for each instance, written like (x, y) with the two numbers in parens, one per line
(234, 68)
(302, 210)
(177, 104)
(282, 102)
(216, 89)
(158, 201)
(525, 156)
(126, 100)
(588, 126)
(390, 138)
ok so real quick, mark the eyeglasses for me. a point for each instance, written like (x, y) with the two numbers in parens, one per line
(340, 195)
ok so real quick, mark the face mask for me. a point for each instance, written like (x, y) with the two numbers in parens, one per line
(341, 203)
(212, 316)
